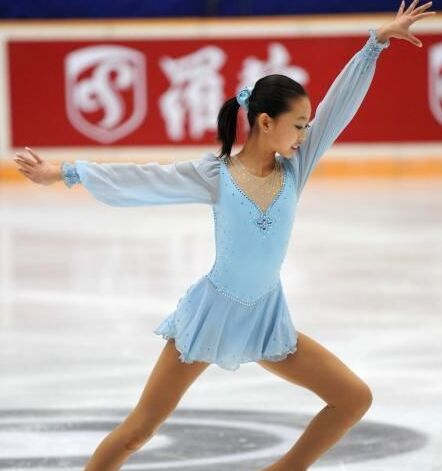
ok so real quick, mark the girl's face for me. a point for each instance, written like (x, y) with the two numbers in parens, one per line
(288, 130)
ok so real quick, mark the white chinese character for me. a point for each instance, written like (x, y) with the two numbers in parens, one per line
(196, 92)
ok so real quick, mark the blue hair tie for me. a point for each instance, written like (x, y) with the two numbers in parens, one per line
(242, 97)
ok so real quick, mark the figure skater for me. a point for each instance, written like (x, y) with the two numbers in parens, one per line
(237, 312)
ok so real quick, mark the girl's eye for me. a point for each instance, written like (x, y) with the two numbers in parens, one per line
(304, 127)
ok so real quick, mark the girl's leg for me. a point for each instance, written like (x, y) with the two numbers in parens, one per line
(348, 398)
(168, 381)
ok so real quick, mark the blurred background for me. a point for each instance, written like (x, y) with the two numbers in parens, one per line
(83, 284)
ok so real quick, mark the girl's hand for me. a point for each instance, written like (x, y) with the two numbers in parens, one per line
(37, 169)
(399, 27)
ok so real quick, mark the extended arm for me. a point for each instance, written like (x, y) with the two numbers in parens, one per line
(131, 184)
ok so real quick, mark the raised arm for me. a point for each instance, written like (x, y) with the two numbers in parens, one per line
(348, 90)
(338, 107)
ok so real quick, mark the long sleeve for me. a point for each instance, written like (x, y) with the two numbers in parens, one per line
(338, 107)
(131, 184)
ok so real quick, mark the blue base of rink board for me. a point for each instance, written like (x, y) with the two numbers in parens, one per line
(40, 9)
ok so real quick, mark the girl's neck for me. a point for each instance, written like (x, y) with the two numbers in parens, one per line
(260, 162)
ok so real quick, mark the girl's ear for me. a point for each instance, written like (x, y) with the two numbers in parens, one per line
(265, 122)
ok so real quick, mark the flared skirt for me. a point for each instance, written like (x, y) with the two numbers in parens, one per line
(208, 325)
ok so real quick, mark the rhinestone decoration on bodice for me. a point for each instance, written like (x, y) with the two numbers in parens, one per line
(263, 222)
(262, 192)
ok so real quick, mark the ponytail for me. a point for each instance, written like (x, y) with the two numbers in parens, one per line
(227, 124)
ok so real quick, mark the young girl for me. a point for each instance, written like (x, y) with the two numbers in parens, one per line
(237, 312)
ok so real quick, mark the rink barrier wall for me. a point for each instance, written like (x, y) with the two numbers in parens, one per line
(409, 158)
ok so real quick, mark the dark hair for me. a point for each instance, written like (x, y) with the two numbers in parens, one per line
(271, 94)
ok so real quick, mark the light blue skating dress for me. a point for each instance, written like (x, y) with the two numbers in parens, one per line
(237, 312)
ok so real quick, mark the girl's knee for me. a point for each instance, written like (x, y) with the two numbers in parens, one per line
(137, 430)
(136, 438)
(360, 399)
(365, 397)
(135, 442)
(356, 400)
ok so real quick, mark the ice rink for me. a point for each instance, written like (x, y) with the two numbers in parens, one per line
(83, 285)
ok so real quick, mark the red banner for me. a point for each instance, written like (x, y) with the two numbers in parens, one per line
(163, 92)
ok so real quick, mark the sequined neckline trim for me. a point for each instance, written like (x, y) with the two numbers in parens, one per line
(275, 199)
(258, 177)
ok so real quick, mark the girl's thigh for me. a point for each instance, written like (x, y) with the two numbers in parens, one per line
(314, 367)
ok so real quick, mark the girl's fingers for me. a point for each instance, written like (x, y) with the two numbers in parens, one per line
(26, 159)
(414, 40)
(411, 7)
(24, 172)
(36, 157)
(401, 8)
(20, 158)
(421, 15)
(22, 162)
(422, 8)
